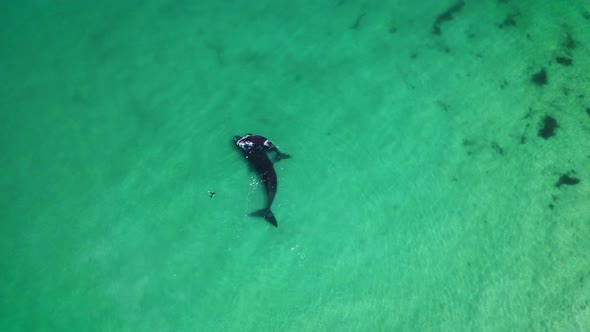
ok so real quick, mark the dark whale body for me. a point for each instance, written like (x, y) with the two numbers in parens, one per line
(255, 148)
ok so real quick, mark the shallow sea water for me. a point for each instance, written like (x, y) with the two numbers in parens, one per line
(420, 195)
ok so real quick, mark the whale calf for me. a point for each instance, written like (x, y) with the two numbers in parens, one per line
(255, 149)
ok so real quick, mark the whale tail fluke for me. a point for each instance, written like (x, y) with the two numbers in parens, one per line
(267, 214)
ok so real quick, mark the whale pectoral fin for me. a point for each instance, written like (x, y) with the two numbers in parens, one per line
(279, 156)
(267, 215)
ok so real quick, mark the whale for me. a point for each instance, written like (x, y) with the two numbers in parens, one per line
(256, 150)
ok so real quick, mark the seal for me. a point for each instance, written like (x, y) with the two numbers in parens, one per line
(255, 149)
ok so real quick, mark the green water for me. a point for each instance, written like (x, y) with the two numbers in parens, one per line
(420, 196)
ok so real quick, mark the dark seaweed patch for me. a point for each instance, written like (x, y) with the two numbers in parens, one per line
(540, 77)
(569, 42)
(392, 29)
(509, 21)
(564, 61)
(588, 111)
(529, 113)
(444, 106)
(359, 20)
(497, 148)
(548, 128)
(447, 15)
(567, 179)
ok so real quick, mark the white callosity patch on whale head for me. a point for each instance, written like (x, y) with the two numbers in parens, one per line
(244, 143)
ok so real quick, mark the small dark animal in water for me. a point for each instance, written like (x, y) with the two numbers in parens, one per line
(255, 148)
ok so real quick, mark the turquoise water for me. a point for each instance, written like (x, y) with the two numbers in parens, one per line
(429, 188)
